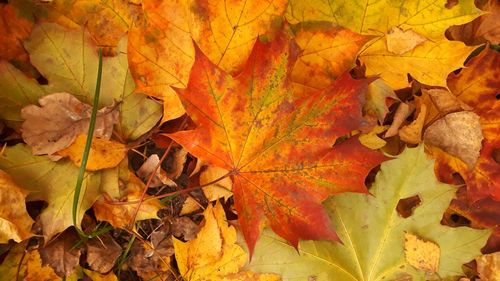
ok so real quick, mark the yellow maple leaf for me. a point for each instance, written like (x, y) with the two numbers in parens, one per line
(214, 254)
(420, 48)
(15, 223)
(429, 63)
(226, 30)
(103, 153)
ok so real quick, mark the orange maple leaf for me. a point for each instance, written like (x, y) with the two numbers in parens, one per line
(277, 144)
(477, 85)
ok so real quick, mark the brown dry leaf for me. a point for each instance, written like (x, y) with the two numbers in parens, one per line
(96, 276)
(61, 255)
(214, 254)
(219, 189)
(446, 102)
(413, 133)
(488, 267)
(114, 208)
(15, 223)
(152, 262)
(404, 110)
(148, 167)
(178, 162)
(103, 153)
(184, 227)
(102, 253)
(423, 255)
(400, 42)
(61, 117)
(458, 134)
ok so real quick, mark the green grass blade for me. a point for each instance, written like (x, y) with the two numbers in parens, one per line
(86, 151)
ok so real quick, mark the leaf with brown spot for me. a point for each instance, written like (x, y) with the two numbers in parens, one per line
(277, 144)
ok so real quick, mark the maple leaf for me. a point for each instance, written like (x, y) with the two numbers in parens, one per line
(374, 233)
(161, 52)
(428, 62)
(475, 87)
(15, 223)
(214, 254)
(327, 52)
(277, 144)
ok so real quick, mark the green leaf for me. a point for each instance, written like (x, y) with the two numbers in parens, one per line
(373, 232)
(68, 60)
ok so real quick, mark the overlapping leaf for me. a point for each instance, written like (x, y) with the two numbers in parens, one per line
(374, 233)
(476, 86)
(428, 19)
(277, 144)
(53, 182)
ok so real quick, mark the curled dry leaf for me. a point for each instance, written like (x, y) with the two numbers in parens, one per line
(61, 254)
(488, 267)
(404, 110)
(58, 120)
(184, 227)
(400, 42)
(214, 254)
(103, 153)
(148, 167)
(458, 134)
(413, 133)
(102, 253)
(423, 255)
(15, 223)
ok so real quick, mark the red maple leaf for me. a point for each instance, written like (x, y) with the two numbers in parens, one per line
(277, 143)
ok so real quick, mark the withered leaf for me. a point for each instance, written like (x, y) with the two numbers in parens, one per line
(459, 134)
(102, 253)
(54, 124)
(61, 255)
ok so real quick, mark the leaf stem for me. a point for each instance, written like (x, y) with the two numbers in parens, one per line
(88, 143)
